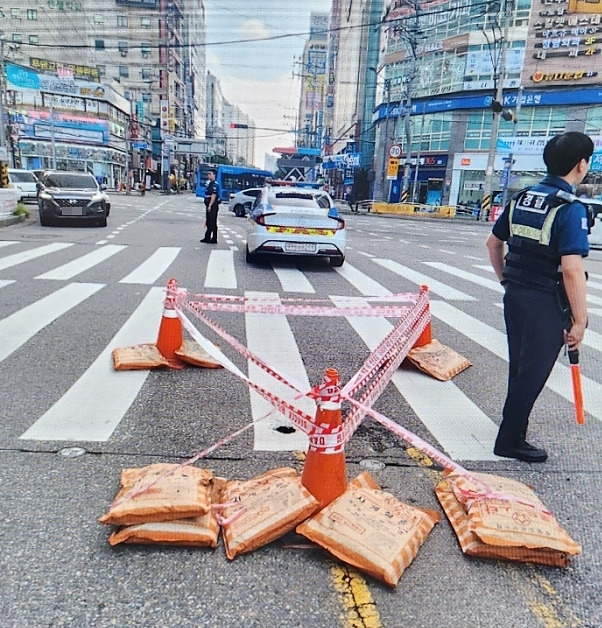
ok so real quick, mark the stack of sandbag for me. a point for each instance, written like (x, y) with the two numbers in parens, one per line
(371, 529)
(258, 511)
(438, 360)
(147, 356)
(495, 517)
(166, 504)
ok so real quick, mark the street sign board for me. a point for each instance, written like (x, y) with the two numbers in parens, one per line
(140, 145)
(395, 151)
(392, 169)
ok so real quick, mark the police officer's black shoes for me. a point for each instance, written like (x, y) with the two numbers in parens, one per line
(523, 451)
(205, 240)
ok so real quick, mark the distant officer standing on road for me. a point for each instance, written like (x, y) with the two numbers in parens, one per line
(545, 228)
(212, 207)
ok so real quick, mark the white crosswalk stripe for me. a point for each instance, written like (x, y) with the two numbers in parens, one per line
(18, 328)
(26, 256)
(220, 270)
(96, 403)
(149, 271)
(81, 264)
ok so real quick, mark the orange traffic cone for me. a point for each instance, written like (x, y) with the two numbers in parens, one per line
(170, 330)
(324, 472)
(426, 336)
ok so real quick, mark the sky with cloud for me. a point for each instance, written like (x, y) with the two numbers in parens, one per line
(252, 46)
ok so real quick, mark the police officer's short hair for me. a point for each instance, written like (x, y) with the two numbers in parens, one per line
(563, 152)
(214, 170)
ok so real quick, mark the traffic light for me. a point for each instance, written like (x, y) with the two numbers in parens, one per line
(3, 175)
(507, 114)
(234, 125)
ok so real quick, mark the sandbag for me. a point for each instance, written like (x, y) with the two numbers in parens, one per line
(191, 352)
(371, 530)
(184, 493)
(512, 524)
(201, 531)
(438, 360)
(260, 510)
(137, 358)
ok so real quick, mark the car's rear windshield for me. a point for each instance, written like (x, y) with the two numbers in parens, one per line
(22, 177)
(298, 199)
(73, 181)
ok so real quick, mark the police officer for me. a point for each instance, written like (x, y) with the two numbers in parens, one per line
(545, 229)
(211, 208)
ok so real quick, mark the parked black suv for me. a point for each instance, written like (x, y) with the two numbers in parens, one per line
(65, 196)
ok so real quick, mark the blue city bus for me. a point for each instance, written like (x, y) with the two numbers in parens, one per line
(231, 179)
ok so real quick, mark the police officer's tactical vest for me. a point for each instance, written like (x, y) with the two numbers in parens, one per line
(530, 260)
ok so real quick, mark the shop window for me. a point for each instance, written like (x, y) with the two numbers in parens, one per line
(17, 38)
(32, 14)
(124, 71)
(122, 21)
(15, 14)
(99, 44)
(34, 39)
(145, 22)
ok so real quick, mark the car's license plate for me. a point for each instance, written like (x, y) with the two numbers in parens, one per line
(299, 247)
(72, 211)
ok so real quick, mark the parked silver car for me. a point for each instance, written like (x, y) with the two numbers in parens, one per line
(24, 182)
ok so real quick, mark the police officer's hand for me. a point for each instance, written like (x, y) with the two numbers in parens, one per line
(574, 336)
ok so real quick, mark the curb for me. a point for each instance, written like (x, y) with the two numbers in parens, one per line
(7, 221)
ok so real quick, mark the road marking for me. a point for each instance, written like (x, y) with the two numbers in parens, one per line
(435, 287)
(293, 280)
(462, 274)
(18, 328)
(220, 270)
(496, 342)
(354, 594)
(96, 403)
(26, 256)
(6, 282)
(270, 337)
(149, 271)
(458, 424)
(81, 264)
(7, 243)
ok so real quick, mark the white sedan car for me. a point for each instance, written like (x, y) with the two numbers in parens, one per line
(241, 202)
(296, 221)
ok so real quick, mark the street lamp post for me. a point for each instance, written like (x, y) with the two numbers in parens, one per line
(416, 168)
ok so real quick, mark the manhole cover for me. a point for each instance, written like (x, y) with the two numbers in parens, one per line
(372, 465)
(72, 452)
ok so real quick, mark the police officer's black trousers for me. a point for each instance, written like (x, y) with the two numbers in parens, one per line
(535, 324)
(211, 218)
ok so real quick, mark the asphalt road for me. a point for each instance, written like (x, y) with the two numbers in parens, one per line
(69, 294)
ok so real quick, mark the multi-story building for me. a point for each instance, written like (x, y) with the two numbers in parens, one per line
(240, 132)
(313, 83)
(150, 50)
(441, 61)
(353, 52)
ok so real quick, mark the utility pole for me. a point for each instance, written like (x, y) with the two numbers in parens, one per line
(499, 72)
(510, 159)
(3, 149)
(411, 44)
(385, 181)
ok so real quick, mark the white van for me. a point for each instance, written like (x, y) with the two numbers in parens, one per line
(24, 182)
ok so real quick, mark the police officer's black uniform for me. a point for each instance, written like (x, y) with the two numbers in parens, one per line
(534, 312)
(211, 212)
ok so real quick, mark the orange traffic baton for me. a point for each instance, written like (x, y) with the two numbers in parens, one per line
(577, 390)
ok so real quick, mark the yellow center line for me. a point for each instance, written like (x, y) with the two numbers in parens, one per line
(359, 609)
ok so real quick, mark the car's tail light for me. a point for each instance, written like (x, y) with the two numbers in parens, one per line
(340, 224)
(260, 220)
